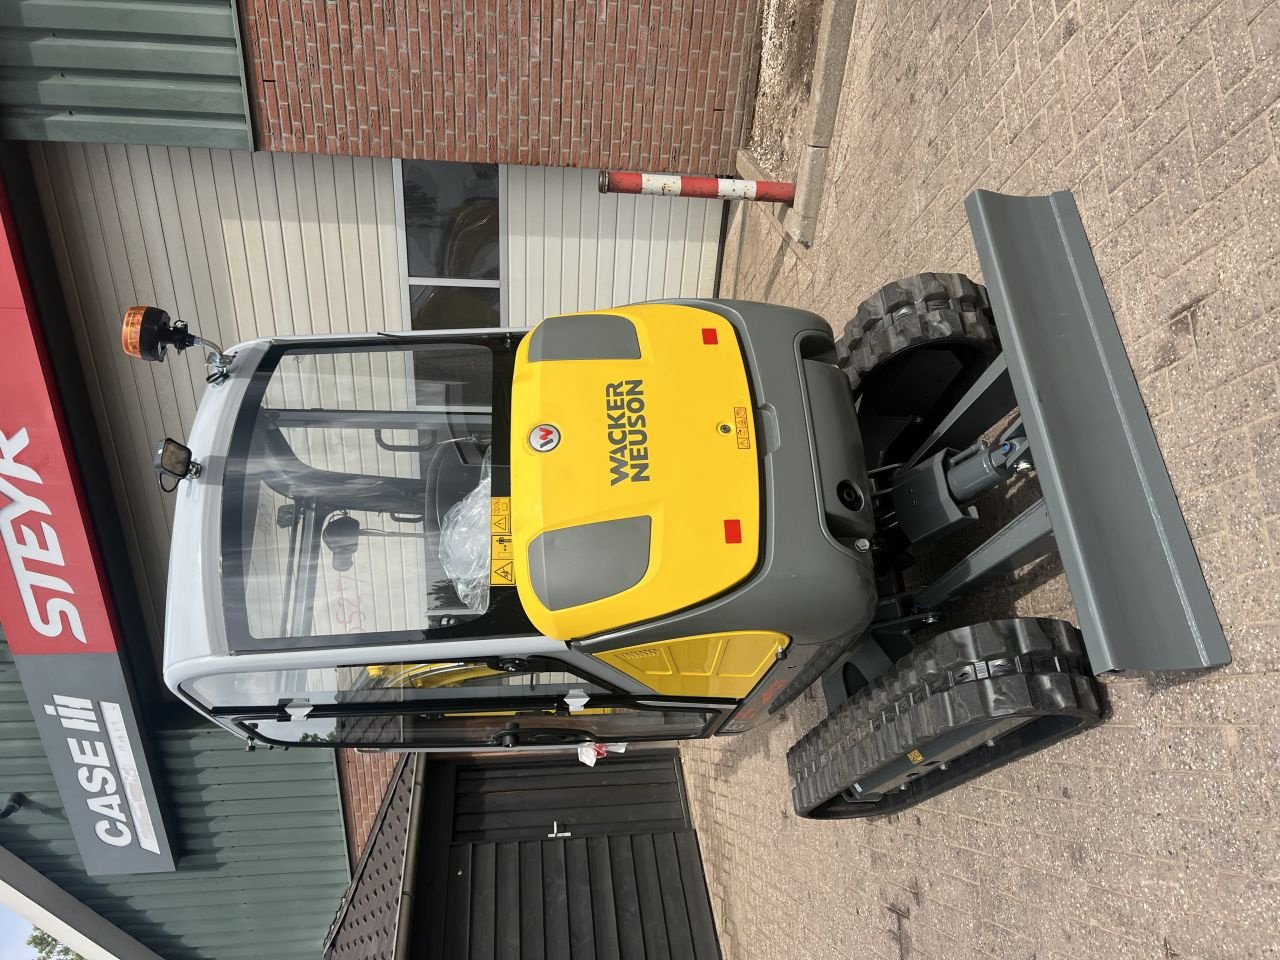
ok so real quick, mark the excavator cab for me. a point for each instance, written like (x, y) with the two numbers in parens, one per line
(349, 487)
(667, 520)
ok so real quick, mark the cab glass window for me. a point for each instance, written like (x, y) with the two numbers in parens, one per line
(358, 496)
(384, 683)
(532, 726)
(499, 702)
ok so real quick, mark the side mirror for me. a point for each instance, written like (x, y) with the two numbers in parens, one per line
(173, 459)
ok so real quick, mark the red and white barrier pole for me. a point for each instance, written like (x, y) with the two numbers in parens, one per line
(714, 188)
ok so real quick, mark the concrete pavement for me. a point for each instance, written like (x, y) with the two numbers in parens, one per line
(1154, 836)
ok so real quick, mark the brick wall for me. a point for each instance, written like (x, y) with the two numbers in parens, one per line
(362, 780)
(658, 85)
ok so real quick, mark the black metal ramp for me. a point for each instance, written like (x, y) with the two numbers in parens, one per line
(1139, 592)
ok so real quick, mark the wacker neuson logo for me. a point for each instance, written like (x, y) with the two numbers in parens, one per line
(628, 431)
(106, 771)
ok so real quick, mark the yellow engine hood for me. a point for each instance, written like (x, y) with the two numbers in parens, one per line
(634, 471)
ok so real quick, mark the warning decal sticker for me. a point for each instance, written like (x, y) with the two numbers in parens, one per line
(502, 571)
(742, 425)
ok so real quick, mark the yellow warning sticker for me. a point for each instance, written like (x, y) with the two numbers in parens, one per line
(499, 514)
(915, 756)
(502, 573)
(742, 425)
(502, 570)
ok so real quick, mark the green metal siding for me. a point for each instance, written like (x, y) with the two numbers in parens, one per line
(262, 853)
(164, 72)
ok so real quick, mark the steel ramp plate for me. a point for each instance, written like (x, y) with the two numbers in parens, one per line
(1139, 593)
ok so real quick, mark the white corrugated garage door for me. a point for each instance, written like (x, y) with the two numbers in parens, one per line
(238, 245)
(569, 247)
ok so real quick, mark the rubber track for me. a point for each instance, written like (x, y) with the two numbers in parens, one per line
(925, 308)
(946, 684)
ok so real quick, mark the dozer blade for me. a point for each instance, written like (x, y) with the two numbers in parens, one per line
(1140, 595)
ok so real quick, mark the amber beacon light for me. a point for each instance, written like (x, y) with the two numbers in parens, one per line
(148, 332)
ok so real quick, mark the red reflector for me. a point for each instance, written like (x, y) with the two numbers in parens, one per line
(709, 336)
(733, 531)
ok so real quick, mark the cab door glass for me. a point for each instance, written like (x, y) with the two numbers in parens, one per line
(359, 491)
(363, 684)
(477, 702)
(531, 727)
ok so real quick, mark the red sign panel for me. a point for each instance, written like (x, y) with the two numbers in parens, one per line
(54, 601)
(52, 594)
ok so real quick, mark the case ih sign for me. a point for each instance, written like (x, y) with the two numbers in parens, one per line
(55, 611)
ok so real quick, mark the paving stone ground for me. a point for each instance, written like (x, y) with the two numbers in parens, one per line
(1154, 836)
